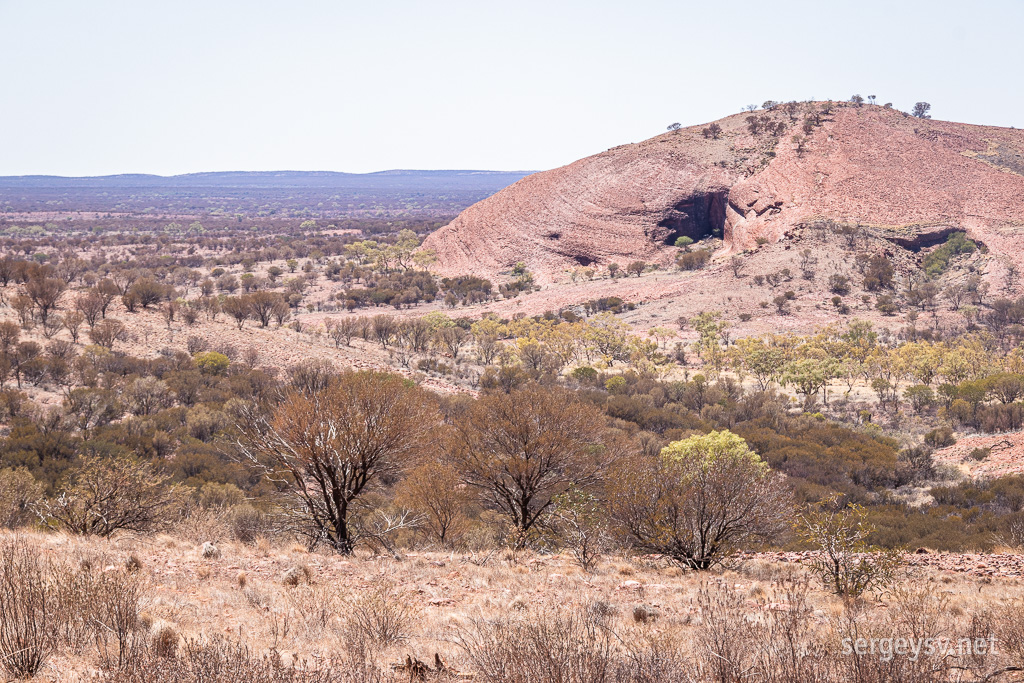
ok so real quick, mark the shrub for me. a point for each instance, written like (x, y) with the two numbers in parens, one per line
(382, 615)
(19, 492)
(845, 563)
(211, 362)
(555, 645)
(693, 260)
(217, 659)
(940, 437)
(578, 520)
(937, 262)
(714, 131)
(839, 284)
(107, 494)
(878, 273)
(27, 610)
(584, 374)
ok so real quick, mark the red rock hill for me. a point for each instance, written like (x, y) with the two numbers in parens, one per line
(865, 165)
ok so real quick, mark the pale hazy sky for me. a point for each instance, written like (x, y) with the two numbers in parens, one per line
(114, 86)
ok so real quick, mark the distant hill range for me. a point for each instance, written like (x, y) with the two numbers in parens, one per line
(322, 193)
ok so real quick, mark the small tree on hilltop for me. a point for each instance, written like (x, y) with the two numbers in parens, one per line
(713, 131)
(921, 110)
(701, 500)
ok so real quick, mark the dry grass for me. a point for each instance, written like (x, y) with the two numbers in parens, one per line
(140, 609)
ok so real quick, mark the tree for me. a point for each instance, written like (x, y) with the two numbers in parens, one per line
(45, 293)
(713, 131)
(857, 100)
(434, 490)
(106, 332)
(263, 304)
(384, 328)
(238, 308)
(107, 291)
(921, 110)
(710, 326)
(579, 521)
(327, 447)
(452, 339)
(8, 267)
(845, 563)
(701, 500)
(636, 268)
(522, 449)
(146, 291)
(169, 310)
(73, 323)
(107, 494)
(810, 375)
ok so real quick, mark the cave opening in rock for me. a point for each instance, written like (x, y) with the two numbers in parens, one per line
(697, 216)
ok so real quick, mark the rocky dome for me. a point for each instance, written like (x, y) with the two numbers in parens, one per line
(867, 165)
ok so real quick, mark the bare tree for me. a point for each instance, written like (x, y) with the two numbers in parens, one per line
(107, 332)
(328, 446)
(921, 110)
(109, 494)
(45, 293)
(523, 448)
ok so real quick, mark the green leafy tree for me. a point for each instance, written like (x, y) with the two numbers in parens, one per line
(701, 500)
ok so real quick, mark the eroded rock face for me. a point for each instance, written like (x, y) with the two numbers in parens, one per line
(864, 165)
(623, 205)
(874, 166)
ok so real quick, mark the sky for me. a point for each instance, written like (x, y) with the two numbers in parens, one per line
(122, 86)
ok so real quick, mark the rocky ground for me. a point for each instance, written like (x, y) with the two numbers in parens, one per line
(1005, 454)
(277, 595)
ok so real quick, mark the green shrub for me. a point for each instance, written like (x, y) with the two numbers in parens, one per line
(584, 374)
(940, 437)
(937, 262)
(693, 260)
(211, 362)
